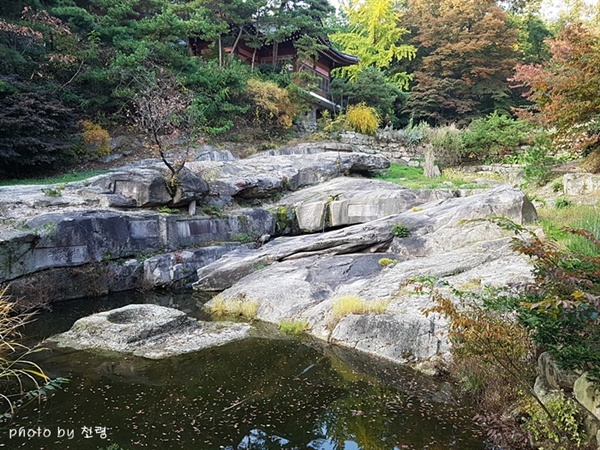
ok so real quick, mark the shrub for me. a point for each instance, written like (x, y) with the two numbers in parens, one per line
(362, 118)
(353, 304)
(271, 104)
(236, 306)
(96, 137)
(293, 327)
(400, 230)
(496, 136)
(448, 145)
(564, 432)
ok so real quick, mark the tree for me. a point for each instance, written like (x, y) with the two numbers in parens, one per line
(466, 54)
(565, 89)
(374, 35)
(163, 108)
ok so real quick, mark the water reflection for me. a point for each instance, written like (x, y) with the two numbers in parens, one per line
(255, 394)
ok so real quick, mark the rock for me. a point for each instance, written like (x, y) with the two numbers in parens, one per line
(307, 274)
(149, 331)
(555, 377)
(309, 148)
(587, 393)
(438, 227)
(212, 153)
(581, 183)
(404, 338)
(178, 269)
(78, 238)
(347, 201)
(262, 177)
(147, 186)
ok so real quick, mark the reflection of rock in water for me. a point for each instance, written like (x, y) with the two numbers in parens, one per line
(404, 379)
(134, 370)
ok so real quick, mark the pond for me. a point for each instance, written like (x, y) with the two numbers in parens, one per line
(267, 392)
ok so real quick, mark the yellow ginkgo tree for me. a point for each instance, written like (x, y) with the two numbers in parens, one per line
(374, 35)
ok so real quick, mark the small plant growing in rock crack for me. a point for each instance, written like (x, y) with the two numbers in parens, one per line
(167, 210)
(386, 262)
(400, 230)
(53, 192)
(242, 237)
(293, 327)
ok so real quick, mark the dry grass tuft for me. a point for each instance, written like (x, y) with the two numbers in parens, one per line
(238, 306)
(353, 304)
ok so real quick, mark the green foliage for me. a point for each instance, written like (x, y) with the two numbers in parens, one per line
(400, 230)
(362, 118)
(167, 210)
(242, 237)
(557, 187)
(293, 327)
(565, 432)
(372, 88)
(52, 191)
(562, 202)
(66, 178)
(375, 37)
(496, 136)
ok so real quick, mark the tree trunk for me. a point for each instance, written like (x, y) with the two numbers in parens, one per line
(237, 40)
(220, 52)
(275, 53)
(253, 58)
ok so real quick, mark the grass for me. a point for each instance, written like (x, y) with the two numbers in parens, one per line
(353, 304)
(585, 217)
(238, 306)
(413, 178)
(65, 178)
(24, 378)
(293, 327)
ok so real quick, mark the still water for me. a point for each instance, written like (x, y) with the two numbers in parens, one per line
(267, 392)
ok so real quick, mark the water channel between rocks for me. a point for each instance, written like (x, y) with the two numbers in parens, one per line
(267, 392)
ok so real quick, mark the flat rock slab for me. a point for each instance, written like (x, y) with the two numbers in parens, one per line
(149, 331)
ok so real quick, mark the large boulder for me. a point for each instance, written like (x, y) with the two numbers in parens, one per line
(147, 186)
(150, 331)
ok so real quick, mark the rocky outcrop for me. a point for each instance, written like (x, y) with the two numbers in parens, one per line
(263, 176)
(348, 201)
(149, 331)
(78, 238)
(301, 278)
(147, 186)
